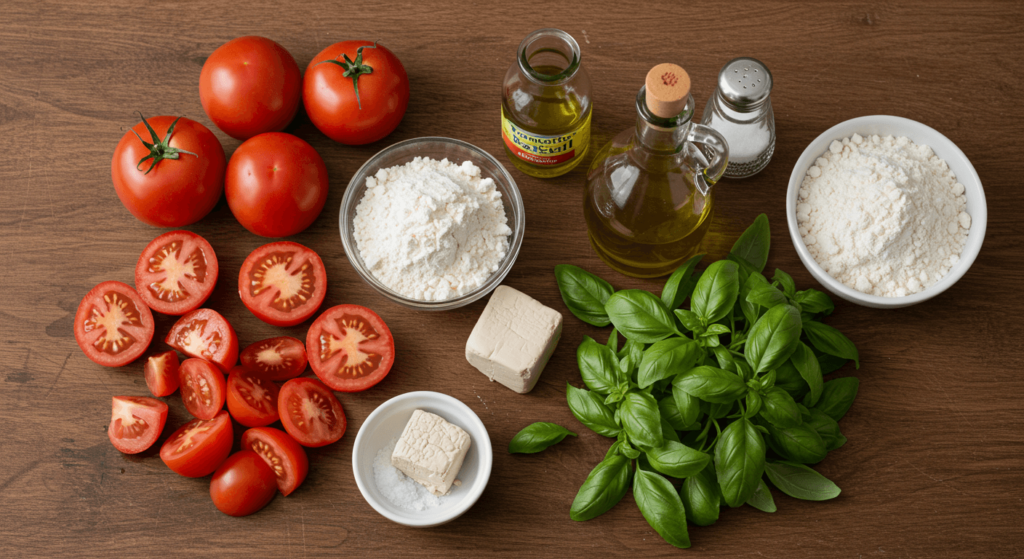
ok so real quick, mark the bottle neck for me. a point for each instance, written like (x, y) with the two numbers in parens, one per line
(662, 134)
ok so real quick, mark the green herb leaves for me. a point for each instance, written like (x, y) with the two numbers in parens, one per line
(739, 461)
(640, 316)
(716, 292)
(605, 486)
(753, 244)
(536, 437)
(773, 338)
(584, 294)
(662, 507)
(590, 410)
(801, 482)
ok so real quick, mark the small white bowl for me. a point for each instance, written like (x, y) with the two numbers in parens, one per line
(884, 125)
(387, 422)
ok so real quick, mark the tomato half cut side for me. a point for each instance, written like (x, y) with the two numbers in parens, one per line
(203, 389)
(199, 446)
(161, 372)
(282, 283)
(279, 450)
(252, 398)
(310, 412)
(176, 272)
(113, 325)
(278, 358)
(350, 348)
(136, 422)
(243, 484)
(205, 334)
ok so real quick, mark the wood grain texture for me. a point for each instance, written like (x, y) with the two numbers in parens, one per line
(934, 466)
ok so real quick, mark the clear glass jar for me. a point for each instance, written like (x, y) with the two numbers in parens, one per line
(546, 105)
(741, 109)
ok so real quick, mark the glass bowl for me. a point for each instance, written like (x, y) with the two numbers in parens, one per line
(438, 148)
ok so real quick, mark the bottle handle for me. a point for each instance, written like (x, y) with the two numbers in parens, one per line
(706, 177)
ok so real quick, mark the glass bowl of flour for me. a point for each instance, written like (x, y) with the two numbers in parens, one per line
(885, 212)
(432, 223)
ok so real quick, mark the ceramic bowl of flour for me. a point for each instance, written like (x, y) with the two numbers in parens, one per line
(438, 149)
(920, 134)
(377, 436)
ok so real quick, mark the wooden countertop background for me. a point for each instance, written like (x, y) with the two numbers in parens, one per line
(934, 466)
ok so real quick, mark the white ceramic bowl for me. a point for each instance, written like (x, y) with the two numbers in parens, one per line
(386, 423)
(883, 125)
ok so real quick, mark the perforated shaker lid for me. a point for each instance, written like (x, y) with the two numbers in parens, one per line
(745, 81)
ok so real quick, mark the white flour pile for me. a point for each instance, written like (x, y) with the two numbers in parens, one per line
(399, 488)
(431, 230)
(883, 215)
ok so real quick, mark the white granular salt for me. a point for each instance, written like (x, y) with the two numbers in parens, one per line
(399, 488)
(431, 230)
(884, 216)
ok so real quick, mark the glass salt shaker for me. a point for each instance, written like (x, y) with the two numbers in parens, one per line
(741, 110)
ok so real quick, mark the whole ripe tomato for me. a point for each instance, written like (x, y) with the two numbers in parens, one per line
(250, 85)
(177, 179)
(276, 184)
(355, 92)
(243, 484)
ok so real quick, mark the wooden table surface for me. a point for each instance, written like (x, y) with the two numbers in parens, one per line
(934, 466)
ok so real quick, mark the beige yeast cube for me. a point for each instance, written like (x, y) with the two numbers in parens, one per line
(431, 451)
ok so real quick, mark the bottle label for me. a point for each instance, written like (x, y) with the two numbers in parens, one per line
(539, 149)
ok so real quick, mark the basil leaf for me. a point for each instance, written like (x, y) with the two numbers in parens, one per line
(665, 359)
(677, 460)
(751, 311)
(837, 396)
(800, 443)
(536, 437)
(717, 411)
(753, 244)
(716, 292)
(789, 379)
(807, 365)
(583, 293)
(687, 406)
(827, 428)
(670, 413)
(673, 293)
(739, 461)
(641, 419)
(711, 385)
(717, 329)
(754, 402)
(662, 507)
(605, 486)
(831, 341)
(767, 296)
(639, 316)
(801, 482)
(591, 411)
(668, 432)
(829, 363)
(772, 338)
(762, 497)
(701, 497)
(744, 268)
(786, 281)
(689, 320)
(779, 408)
(597, 365)
(814, 301)
(613, 340)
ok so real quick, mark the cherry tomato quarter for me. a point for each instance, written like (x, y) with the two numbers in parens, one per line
(177, 181)
(282, 283)
(161, 372)
(203, 389)
(279, 450)
(176, 272)
(199, 446)
(363, 107)
(243, 484)
(205, 334)
(310, 412)
(251, 398)
(278, 358)
(113, 325)
(276, 184)
(136, 422)
(350, 348)
(250, 85)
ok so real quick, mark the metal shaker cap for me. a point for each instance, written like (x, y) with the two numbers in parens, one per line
(745, 82)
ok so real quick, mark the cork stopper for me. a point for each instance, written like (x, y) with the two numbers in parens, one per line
(668, 85)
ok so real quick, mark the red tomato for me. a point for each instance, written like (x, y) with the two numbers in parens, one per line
(278, 358)
(282, 283)
(203, 389)
(350, 348)
(205, 334)
(366, 105)
(276, 184)
(113, 326)
(280, 451)
(310, 412)
(250, 85)
(243, 484)
(161, 373)
(176, 272)
(178, 180)
(199, 446)
(252, 398)
(135, 423)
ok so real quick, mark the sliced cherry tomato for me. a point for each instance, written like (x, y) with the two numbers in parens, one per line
(113, 326)
(161, 372)
(176, 272)
(278, 358)
(252, 398)
(199, 446)
(203, 389)
(135, 423)
(350, 348)
(205, 334)
(243, 484)
(279, 450)
(310, 412)
(282, 283)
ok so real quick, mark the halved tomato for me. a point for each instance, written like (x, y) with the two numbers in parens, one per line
(252, 398)
(161, 372)
(203, 389)
(350, 348)
(278, 358)
(310, 412)
(199, 446)
(135, 422)
(113, 326)
(280, 451)
(176, 272)
(282, 283)
(205, 334)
